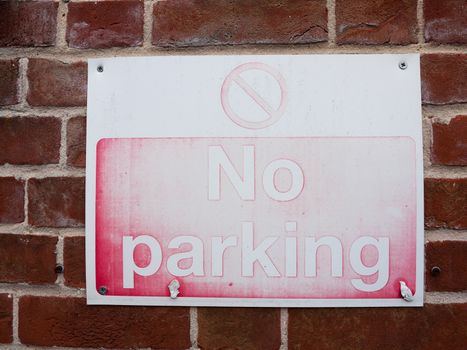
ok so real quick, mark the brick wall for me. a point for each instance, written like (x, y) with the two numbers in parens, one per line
(43, 50)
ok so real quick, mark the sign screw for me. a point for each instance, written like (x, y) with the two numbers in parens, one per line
(100, 68)
(435, 270)
(403, 65)
(174, 287)
(59, 269)
(102, 290)
(406, 293)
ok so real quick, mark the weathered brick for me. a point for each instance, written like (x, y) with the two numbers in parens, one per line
(443, 78)
(9, 71)
(76, 142)
(55, 83)
(27, 258)
(28, 23)
(6, 318)
(223, 22)
(30, 140)
(74, 262)
(450, 257)
(56, 202)
(376, 22)
(105, 24)
(53, 321)
(433, 327)
(239, 328)
(11, 200)
(450, 142)
(446, 203)
(445, 21)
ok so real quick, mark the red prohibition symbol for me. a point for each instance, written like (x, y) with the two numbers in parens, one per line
(236, 77)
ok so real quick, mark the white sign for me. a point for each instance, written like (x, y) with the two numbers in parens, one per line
(285, 181)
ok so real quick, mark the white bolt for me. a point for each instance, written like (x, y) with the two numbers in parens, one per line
(174, 289)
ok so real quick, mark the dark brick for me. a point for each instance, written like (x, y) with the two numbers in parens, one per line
(450, 142)
(74, 262)
(76, 142)
(222, 22)
(105, 24)
(56, 202)
(445, 21)
(27, 258)
(433, 327)
(6, 318)
(443, 78)
(54, 321)
(30, 140)
(376, 22)
(28, 23)
(55, 83)
(9, 71)
(11, 200)
(450, 257)
(239, 328)
(446, 203)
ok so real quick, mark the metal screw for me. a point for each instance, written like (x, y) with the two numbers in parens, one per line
(59, 269)
(435, 270)
(102, 290)
(100, 69)
(403, 65)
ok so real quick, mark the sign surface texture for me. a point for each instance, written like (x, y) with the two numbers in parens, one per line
(285, 181)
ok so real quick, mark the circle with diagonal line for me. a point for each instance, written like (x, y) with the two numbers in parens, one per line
(273, 110)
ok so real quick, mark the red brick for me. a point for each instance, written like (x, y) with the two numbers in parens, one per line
(450, 257)
(76, 142)
(450, 142)
(6, 318)
(28, 23)
(55, 83)
(239, 328)
(445, 21)
(53, 321)
(223, 22)
(9, 71)
(446, 203)
(376, 22)
(433, 327)
(56, 202)
(27, 258)
(11, 200)
(30, 140)
(74, 262)
(105, 24)
(443, 78)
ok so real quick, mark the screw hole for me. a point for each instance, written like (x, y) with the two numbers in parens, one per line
(435, 270)
(59, 269)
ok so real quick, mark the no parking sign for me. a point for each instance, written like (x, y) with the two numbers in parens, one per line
(287, 181)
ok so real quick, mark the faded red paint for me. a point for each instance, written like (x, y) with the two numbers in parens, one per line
(353, 187)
